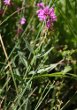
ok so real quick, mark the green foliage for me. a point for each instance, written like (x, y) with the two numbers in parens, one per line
(39, 71)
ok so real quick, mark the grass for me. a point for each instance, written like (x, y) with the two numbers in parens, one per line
(38, 67)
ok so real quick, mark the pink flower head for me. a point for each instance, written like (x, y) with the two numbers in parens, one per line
(41, 16)
(22, 21)
(46, 14)
(40, 5)
(7, 2)
(52, 14)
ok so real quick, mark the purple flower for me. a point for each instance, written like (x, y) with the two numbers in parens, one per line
(7, 2)
(48, 23)
(41, 15)
(46, 14)
(22, 21)
(40, 5)
(52, 14)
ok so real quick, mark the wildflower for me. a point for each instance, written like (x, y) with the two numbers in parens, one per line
(40, 5)
(42, 13)
(48, 24)
(7, 2)
(46, 14)
(22, 21)
(52, 14)
(41, 16)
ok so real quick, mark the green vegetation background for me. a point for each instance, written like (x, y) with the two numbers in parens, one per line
(40, 70)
